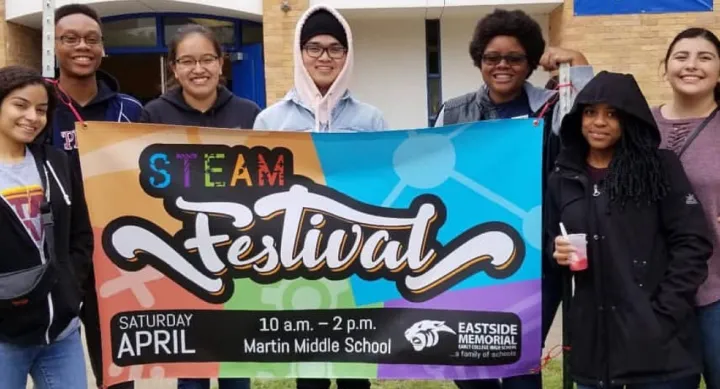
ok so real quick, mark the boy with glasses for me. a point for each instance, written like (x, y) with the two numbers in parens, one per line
(85, 94)
(320, 99)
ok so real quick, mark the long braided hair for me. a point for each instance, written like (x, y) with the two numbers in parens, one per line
(636, 173)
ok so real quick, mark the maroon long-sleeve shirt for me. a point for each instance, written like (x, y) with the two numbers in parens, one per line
(702, 164)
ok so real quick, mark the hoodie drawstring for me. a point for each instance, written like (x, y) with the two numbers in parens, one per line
(320, 111)
(57, 180)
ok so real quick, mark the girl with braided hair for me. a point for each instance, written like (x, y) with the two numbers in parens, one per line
(632, 323)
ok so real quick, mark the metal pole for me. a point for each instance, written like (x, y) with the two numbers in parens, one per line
(48, 41)
(567, 97)
(163, 75)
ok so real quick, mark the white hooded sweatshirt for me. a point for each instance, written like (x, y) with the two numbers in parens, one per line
(304, 108)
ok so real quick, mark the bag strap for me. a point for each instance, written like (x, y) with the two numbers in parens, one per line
(48, 223)
(697, 131)
(46, 214)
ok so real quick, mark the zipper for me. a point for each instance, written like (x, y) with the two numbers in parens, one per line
(574, 175)
(603, 298)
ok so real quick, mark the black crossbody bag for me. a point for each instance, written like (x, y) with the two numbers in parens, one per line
(697, 131)
(33, 284)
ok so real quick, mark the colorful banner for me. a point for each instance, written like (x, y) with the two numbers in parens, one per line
(618, 7)
(392, 255)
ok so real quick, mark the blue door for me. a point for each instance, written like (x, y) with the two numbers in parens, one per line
(248, 74)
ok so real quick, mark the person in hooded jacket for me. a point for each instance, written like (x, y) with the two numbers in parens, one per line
(321, 102)
(46, 243)
(507, 47)
(632, 320)
(86, 94)
(197, 98)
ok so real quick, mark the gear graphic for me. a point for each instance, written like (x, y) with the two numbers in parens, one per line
(302, 294)
(299, 370)
(306, 294)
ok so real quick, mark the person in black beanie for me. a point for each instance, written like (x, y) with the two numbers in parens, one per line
(322, 22)
(320, 101)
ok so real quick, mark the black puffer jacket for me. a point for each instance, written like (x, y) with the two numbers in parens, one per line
(632, 318)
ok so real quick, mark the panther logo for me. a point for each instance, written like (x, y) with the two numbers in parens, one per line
(426, 333)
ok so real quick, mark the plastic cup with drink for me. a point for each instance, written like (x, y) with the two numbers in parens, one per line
(578, 259)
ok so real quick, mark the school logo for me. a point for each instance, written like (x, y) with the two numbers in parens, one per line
(26, 201)
(426, 333)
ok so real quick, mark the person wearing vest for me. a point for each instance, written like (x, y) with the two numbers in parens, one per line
(507, 46)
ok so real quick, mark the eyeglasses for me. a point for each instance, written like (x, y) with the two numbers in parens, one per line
(334, 52)
(512, 59)
(74, 40)
(189, 62)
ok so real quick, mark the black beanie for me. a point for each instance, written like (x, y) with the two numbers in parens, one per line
(322, 22)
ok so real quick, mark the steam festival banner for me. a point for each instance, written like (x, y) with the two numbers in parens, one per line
(394, 255)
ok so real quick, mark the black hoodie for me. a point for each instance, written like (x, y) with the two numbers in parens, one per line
(108, 105)
(632, 315)
(229, 111)
(40, 322)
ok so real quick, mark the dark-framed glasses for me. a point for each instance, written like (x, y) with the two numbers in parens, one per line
(512, 59)
(190, 62)
(317, 51)
(74, 40)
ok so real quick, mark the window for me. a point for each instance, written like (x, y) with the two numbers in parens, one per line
(138, 32)
(252, 33)
(224, 30)
(434, 80)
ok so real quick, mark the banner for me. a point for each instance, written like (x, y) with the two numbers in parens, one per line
(617, 7)
(393, 255)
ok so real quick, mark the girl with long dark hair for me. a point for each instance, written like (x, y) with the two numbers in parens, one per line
(45, 242)
(198, 98)
(632, 322)
(690, 126)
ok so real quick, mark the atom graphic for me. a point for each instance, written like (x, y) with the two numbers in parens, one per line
(438, 151)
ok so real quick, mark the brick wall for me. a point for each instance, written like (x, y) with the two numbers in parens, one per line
(278, 34)
(628, 43)
(19, 45)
